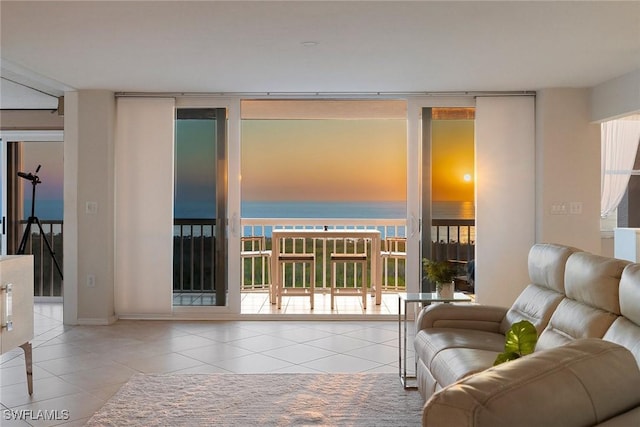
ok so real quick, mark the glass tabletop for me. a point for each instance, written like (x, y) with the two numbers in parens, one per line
(432, 297)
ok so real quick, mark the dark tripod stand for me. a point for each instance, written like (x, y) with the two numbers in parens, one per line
(33, 219)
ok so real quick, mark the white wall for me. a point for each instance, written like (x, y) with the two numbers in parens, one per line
(89, 234)
(505, 196)
(616, 98)
(567, 170)
(31, 120)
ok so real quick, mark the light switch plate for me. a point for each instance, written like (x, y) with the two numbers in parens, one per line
(91, 208)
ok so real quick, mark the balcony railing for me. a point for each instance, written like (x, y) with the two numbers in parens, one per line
(47, 281)
(265, 226)
(193, 255)
(194, 251)
(451, 240)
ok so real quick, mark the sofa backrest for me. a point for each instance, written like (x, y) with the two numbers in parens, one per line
(625, 330)
(541, 297)
(591, 304)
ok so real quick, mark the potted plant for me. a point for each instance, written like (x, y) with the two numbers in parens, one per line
(442, 274)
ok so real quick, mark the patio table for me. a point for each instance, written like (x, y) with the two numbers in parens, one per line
(373, 235)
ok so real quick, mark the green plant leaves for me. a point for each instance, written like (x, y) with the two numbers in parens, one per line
(520, 340)
(505, 357)
(439, 271)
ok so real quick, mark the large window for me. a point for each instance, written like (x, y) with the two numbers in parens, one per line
(323, 159)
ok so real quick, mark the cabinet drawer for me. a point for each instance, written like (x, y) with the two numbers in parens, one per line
(16, 270)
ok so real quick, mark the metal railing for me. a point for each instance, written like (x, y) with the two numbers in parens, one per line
(47, 281)
(193, 255)
(194, 251)
(393, 279)
(453, 239)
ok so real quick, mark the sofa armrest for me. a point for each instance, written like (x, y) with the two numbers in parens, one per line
(463, 316)
(582, 383)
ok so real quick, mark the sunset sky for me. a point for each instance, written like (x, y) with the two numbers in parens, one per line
(333, 160)
(346, 151)
(453, 158)
(313, 157)
(50, 156)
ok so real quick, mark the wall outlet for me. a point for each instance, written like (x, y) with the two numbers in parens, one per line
(559, 208)
(91, 281)
(575, 208)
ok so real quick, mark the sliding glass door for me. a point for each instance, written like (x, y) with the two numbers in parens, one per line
(449, 199)
(200, 208)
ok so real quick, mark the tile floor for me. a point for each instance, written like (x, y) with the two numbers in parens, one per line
(258, 303)
(78, 368)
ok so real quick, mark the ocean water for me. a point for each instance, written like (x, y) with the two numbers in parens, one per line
(53, 210)
(290, 209)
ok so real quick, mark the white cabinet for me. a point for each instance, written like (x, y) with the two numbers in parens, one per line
(16, 307)
(627, 244)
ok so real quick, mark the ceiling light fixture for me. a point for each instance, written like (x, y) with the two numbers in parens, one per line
(309, 43)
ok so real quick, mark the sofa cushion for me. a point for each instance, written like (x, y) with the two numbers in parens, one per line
(626, 329)
(630, 293)
(461, 316)
(629, 418)
(573, 320)
(627, 334)
(453, 364)
(536, 303)
(583, 383)
(594, 280)
(429, 342)
(547, 263)
(592, 303)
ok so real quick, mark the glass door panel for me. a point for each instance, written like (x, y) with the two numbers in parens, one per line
(199, 260)
(448, 189)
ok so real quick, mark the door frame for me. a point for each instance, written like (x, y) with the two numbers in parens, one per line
(419, 181)
(3, 197)
(415, 185)
(17, 136)
(231, 222)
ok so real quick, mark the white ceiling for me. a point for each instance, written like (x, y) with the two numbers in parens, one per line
(383, 46)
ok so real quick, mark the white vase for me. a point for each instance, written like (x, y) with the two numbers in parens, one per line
(445, 290)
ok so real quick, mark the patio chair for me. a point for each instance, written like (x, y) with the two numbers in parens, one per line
(395, 248)
(347, 258)
(293, 290)
(253, 247)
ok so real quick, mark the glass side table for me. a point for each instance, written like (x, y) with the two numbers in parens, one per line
(425, 299)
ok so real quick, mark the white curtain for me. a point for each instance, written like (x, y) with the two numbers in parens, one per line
(619, 139)
(505, 195)
(144, 206)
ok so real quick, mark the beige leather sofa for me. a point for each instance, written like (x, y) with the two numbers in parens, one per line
(587, 382)
(572, 295)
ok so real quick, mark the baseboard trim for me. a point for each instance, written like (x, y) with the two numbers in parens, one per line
(97, 321)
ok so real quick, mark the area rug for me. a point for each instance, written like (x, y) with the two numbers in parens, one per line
(366, 400)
